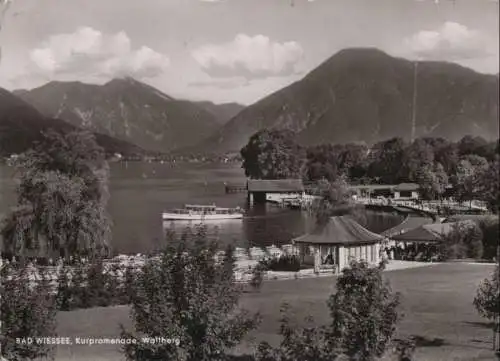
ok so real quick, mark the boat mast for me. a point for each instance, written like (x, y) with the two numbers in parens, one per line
(414, 104)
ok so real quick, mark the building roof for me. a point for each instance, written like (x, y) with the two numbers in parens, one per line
(428, 232)
(275, 185)
(391, 187)
(471, 217)
(373, 187)
(407, 187)
(408, 224)
(340, 230)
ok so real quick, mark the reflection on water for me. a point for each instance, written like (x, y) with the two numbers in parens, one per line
(140, 192)
(261, 226)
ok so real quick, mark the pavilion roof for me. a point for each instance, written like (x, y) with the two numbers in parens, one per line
(429, 232)
(340, 230)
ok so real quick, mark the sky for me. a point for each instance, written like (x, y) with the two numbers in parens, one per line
(230, 50)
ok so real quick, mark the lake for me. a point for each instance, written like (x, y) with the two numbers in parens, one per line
(141, 191)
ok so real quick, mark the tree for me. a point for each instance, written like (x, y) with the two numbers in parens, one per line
(62, 198)
(466, 178)
(353, 161)
(364, 312)
(491, 234)
(432, 181)
(323, 162)
(385, 161)
(191, 296)
(487, 298)
(417, 156)
(470, 145)
(27, 311)
(488, 179)
(446, 154)
(332, 197)
(487, 302)
(273, 154)
(465, 240)
(305, 344)
(364, 317)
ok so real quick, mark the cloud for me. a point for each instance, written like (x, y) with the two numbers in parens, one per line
(249, 57)
(89, 52)
(229, 83)
(451, 41)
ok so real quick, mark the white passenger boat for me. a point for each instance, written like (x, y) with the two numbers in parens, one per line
(201, 212)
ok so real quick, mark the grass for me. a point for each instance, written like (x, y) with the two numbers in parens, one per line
(437, 303)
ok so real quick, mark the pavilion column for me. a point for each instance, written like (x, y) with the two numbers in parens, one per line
(317, 259)
(377, 252)
(341, 257)
(250, 198)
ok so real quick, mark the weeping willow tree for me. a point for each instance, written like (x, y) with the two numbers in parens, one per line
(61, 199)
(333, 199)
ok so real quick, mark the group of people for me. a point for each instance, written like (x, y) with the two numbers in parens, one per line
(412, 252)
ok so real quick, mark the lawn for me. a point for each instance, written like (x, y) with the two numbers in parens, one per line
(437, 303)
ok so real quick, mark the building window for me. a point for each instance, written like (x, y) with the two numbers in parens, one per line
(405, 194)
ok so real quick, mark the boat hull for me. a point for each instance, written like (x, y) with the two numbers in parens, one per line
(199, 217)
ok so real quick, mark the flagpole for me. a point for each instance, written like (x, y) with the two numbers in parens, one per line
(414, 103)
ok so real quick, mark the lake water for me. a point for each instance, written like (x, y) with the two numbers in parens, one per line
(141, 191)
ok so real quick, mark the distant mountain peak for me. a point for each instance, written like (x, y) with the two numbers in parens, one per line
(123, 80)
(21, 125)
(126, 109)
(364, 94)
(129, 82)
(363, 51)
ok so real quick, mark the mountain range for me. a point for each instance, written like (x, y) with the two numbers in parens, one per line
(130, 110)
(365, 95)
(357, 95)
(21, 125)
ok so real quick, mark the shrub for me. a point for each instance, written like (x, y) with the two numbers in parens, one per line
(188, 296)
(86, 286)
(258, 275)
(487, 299)
(463, 241)
(364, 315)
(284, 263)
(27, 310)
(491, 237)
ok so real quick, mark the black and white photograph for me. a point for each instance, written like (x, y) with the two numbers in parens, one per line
(249, 180)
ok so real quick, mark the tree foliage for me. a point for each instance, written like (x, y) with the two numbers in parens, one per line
(418, 156)
(188, 295)
(470, 165)
(432, 181)
(364, 312)
(466, 178)
(364, 317)
(310, 343)
(273, 154)
(27, 310)
(487, 299)
(465, 240)
(488, 184)
(62, 197)
(330, 162)
(491, 237)
(386, 160)
(332, 198)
